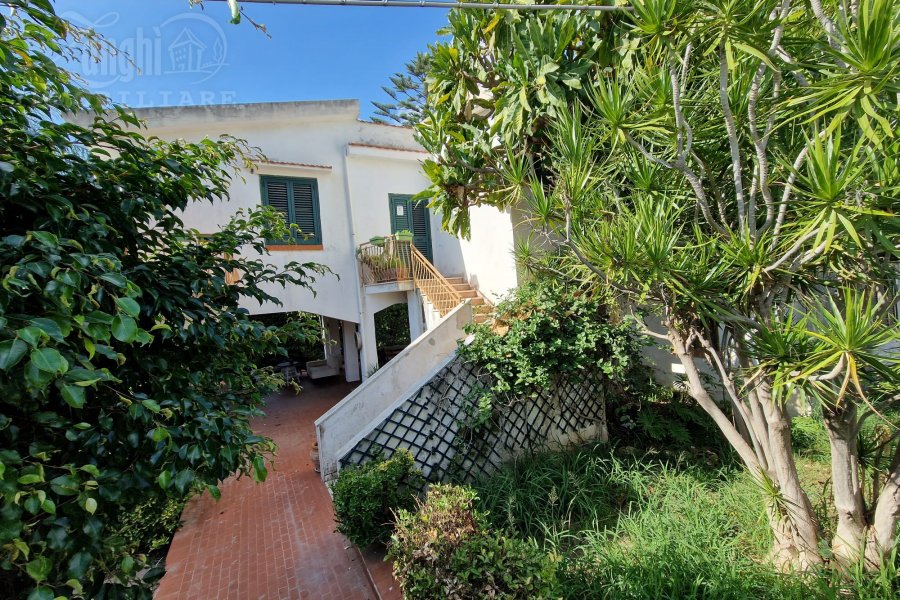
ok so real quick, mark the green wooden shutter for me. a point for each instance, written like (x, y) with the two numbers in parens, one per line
(400, 214)
(276, 195)
(298, 201)
(421, 228)
(306, 212)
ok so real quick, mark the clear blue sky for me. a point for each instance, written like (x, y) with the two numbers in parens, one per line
(184, 55)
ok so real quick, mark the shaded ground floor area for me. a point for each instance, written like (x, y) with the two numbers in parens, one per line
(274, 540)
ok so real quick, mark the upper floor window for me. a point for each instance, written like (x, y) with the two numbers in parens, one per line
(298, 200)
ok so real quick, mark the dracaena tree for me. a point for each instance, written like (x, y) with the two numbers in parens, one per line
(730, 166)
(128, 370)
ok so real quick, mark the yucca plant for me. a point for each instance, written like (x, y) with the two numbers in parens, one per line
(730, 166)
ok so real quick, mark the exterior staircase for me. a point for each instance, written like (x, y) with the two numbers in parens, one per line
(481, 307)
(451, 303)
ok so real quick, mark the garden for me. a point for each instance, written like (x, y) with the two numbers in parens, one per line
(724, 176)
(717, 178)
(665, 509)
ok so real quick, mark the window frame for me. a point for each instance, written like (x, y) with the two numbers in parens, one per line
(298, 240)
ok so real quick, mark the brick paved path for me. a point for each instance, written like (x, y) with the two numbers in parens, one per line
(270, 541)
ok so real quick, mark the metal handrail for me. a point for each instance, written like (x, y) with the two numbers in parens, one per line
(441, 293)
(400, 260)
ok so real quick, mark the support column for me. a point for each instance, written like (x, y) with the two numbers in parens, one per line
(333, 351)
(351, 352)
(414, 312)
(369, 355)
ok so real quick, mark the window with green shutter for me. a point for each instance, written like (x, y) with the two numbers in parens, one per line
(298, 200)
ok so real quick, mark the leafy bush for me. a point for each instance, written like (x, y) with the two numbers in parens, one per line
(150, 525)
(446, 551)
(128, 371)
(654, 414)
(542, 331)
(366, 497)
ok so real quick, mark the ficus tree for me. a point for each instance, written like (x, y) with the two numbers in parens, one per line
(128, 370)
(730, 166)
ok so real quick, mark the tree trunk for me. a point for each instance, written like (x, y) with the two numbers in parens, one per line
(794, 526)
(882, 535)
(849, 539)
(794, 503)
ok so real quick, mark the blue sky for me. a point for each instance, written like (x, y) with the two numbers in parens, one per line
(184, 55)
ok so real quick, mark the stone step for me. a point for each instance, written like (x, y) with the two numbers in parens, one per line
(469, 293)
(456, 279)
(481, 318)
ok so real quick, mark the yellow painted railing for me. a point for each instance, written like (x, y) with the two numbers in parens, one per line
(399, 260)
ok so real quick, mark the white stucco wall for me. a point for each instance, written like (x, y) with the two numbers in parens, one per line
(488, 254)
(356, 166)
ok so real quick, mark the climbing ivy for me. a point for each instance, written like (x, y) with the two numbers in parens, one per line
(542, 331)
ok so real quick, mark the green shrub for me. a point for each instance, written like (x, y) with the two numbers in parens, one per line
(366, 497)
(446, 551)
(150, 525)
(542, 331)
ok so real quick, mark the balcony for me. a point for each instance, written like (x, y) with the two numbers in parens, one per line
(385, 260)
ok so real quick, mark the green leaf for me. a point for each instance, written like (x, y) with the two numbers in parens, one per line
(41, 593)
(183, 480)
(39, 568)
(78, 564)
(30, 478)
(11, 352)
(164, 479)
(92, 469)
(159, 434)
(259, 469)
(127, 564)
(150, 405)
(214, 491)
(31, 335)
(129, 305)
(124, 329)
(50, 327)
(90, 505)
(49, 360)
(73, 395)
(115, 279)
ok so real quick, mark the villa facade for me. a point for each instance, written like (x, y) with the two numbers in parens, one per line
(342, 181)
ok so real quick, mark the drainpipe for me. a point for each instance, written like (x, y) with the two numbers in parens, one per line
(354, 245)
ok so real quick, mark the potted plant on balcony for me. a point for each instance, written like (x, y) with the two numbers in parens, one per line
(404, 236)
(388, 268)
(378, 240)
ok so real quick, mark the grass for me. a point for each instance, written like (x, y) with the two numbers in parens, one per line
(655, 524)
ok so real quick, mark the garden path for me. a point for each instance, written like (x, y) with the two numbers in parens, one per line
(275, 540)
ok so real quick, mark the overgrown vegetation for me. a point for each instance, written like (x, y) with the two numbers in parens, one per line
(128, 372)
(543, 331)
(445, 551)
(366, 497)
(657, 522)
(731, 167)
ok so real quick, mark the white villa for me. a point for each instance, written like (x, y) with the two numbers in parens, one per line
(343, 181)
(348, 185)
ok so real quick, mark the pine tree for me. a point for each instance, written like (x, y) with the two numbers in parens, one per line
(408, 92)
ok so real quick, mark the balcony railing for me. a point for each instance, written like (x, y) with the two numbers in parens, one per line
(396, 259)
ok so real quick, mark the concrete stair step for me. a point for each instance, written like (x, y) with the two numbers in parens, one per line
(470, 293)
(456, 279)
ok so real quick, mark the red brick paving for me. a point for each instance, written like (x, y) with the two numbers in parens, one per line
(275, 540)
